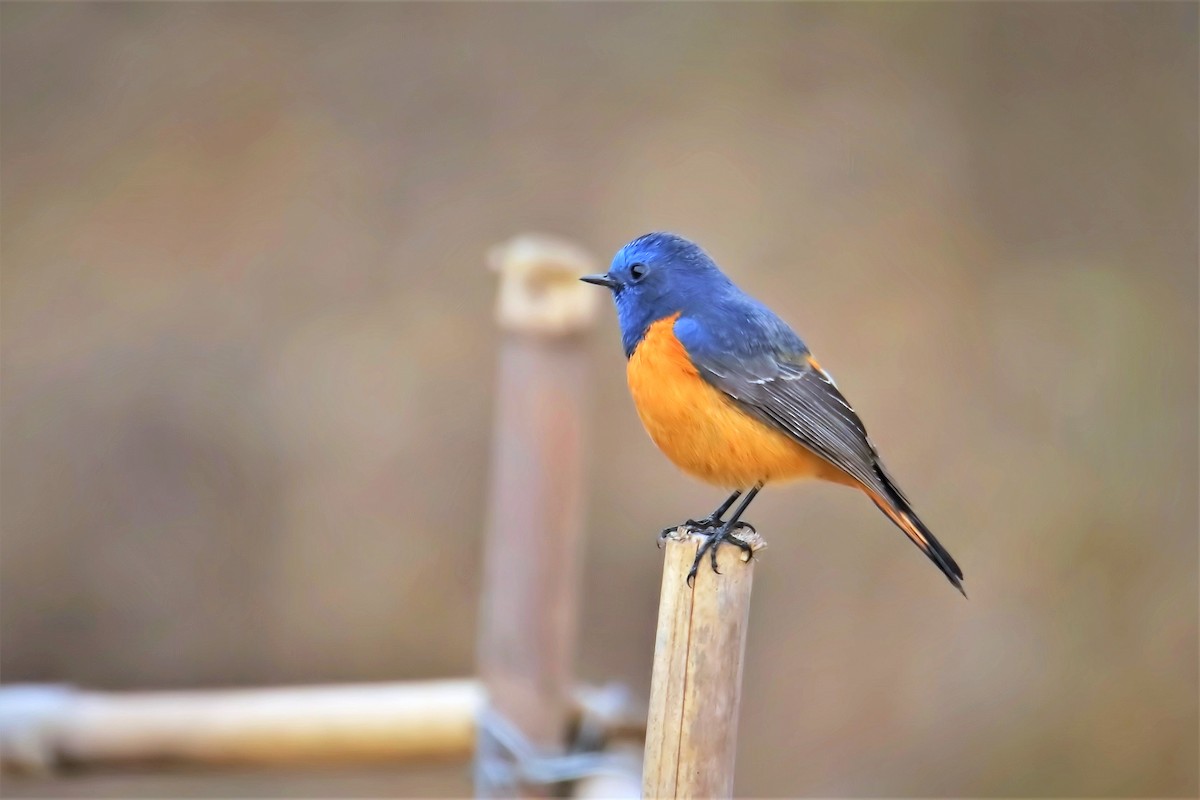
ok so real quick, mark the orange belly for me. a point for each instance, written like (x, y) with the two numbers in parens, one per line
(701, 429)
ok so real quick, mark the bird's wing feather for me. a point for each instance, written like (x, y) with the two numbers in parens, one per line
(779, 383)
(768, 371)
(801, 400)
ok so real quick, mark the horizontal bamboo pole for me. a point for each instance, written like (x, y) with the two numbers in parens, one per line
(42, 727)
(691, 730)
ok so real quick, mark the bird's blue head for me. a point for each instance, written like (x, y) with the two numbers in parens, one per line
(656, 276)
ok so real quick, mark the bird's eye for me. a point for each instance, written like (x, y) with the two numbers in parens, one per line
(637, 271)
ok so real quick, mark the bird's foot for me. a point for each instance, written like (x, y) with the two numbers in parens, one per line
(709, 523)
(714, 535)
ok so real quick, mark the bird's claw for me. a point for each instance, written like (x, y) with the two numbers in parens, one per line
(690, 524)
(712, 542)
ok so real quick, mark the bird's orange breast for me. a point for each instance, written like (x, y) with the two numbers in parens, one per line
(701, 429)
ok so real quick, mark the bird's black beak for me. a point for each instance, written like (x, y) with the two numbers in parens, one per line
(600, 280)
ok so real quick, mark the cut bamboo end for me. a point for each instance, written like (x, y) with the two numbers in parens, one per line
(540, 292)
(691, 736)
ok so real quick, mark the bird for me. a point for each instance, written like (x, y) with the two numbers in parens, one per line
(733, 396)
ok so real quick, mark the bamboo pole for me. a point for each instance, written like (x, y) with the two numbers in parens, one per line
(691, 730)
(44, 727)
(47, 726)
(535, 519)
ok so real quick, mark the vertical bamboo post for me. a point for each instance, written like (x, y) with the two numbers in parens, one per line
(691, 729)
(535, 517)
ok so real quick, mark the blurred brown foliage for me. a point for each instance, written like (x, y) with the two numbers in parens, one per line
(248, 356)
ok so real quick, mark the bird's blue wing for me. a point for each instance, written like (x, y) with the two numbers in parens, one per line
(756, 360)
(764, 367)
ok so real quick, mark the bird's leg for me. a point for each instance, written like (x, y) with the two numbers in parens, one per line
(724, 534)
(713, 520)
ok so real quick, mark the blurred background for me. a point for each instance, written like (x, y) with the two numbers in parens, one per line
(249, 359)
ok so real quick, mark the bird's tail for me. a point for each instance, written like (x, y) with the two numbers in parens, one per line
(896, 506)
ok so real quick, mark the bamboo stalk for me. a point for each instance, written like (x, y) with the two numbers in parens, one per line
(535, 519)
(691, 730)
(43, 727)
